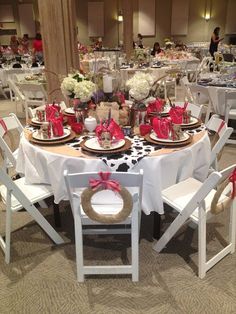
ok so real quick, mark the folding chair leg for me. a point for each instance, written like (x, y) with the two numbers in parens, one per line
(232, 224)
(202, 243)
(8, 230)
(135, 246)
(79, 249)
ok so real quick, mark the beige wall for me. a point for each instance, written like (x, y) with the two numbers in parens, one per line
(198, 28)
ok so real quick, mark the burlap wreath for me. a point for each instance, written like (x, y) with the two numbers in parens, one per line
(216, 207)
(86, 197)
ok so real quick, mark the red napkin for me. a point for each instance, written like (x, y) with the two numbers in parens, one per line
(52, 111)
(71, 120)
(155, 106)
(161, 126)
(112, 127)
(57, 127)
(77, 127)
(145, 129)
(176, 113)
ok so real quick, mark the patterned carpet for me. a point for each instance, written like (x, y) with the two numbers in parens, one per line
(42, 277)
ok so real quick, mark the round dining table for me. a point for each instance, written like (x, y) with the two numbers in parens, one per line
(162, 166)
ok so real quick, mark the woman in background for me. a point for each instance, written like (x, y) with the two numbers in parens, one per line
(14, 44)
(38, 48)
(156, 49)
(25, 43)
(215, 39)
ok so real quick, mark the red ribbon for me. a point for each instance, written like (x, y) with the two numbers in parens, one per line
(3, 124)
(232, 179)
(221, 126)
(104, 182)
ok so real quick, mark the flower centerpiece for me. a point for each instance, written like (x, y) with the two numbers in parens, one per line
(79, 88)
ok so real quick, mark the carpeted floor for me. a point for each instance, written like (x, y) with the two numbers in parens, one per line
(41, 277)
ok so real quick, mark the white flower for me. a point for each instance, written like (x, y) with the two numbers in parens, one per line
(140, 85)
(84, 90)
(68, 85)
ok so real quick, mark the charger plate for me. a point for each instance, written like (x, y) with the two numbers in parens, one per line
(192, 125)
(59, 141)
(169, 143)
(69, 112)
(37, 136)
(125, 147)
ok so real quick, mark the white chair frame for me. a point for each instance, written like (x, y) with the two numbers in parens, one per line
(218, 126)
(76, 181)
(194, 208)
(19, 189)
(230, 112)
(196, 110)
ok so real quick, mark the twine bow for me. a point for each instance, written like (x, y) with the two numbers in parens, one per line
(232, 179)
(104, 182)
(3, 124)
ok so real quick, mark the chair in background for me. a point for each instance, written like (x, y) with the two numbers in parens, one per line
(230, 112)
(201, 96)
(221, 135)
(184, 83)
(193, 200)
(108, 204)
(17, 195)
(35, 95)
(191, 70)
(7, 125)
(32, 111)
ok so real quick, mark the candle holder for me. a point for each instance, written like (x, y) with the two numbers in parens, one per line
(108, 96)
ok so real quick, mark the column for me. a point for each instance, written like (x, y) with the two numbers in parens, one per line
(127, 8)
(58, 28)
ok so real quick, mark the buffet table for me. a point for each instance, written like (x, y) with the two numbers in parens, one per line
(162, 166)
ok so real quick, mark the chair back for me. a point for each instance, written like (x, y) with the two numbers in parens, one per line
(33, 91)
(12, 123)
(75, 181)
(199, 93)
(14, 88)
(222, 133)
(230, 102)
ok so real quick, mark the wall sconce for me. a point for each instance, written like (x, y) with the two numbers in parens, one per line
(207, 16)
(120, 17)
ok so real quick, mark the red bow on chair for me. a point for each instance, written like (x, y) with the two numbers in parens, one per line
(3, 124)
(104, 182)
(232, 178)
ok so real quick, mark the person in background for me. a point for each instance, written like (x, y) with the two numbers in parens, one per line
(139, 42)
(98, 44)
(25, 43)
(156, 49)
(14, 44)
(215, 39)
(38, 48)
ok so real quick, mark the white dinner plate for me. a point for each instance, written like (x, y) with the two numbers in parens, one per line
(184, 138)
(38, 136)
(70, 110)
(93, 143)
(192, 121)
(35, 120)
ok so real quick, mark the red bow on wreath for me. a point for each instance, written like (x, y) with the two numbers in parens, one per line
(104, 182)
(232, 178)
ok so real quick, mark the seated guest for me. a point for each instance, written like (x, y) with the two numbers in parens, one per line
(25, 43)
(14, 44)
(17, 65)
(156, 49)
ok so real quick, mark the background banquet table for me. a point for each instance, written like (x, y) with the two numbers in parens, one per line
(162, 169)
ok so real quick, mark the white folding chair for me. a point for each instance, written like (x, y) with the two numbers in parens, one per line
(35, 96)
(201, 96)
(108, 203)
(230, 112)
(191, 70)
(196, 110)
(17, 195)
(7, 125)
(221, 135)
(184, 83)
(192, 199)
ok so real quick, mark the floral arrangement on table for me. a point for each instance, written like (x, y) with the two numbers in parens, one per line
(78, 86)
(140, 86)
(141, 55)
(172, 54)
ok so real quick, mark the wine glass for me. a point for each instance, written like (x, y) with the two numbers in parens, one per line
(90, 124)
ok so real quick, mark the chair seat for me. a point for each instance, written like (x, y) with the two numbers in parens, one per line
(180, 194)
(34, 192)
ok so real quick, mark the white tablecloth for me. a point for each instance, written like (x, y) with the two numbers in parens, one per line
(41, 166)
(7, 73)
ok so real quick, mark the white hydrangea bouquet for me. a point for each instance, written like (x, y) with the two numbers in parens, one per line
(78, 86)
(140, 86)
